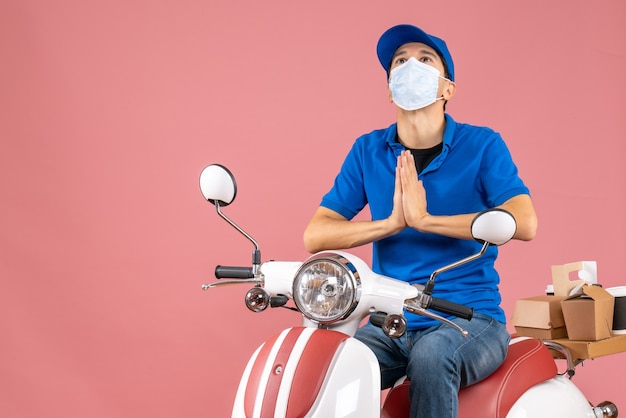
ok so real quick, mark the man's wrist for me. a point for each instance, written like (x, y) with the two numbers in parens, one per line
(422, 223)
(392, 226)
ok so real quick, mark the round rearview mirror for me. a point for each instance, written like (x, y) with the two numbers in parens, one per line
(217, 184)
(495, 226)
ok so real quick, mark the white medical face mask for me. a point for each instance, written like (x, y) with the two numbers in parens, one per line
(414, 85)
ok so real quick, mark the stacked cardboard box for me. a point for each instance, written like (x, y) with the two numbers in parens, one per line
(579, 316)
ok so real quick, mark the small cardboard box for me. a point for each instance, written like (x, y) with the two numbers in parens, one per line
(588, 314)
(539, 317)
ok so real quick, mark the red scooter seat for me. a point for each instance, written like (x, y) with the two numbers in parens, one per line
(527, 363)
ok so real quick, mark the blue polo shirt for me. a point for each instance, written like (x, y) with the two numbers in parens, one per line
(474, 172)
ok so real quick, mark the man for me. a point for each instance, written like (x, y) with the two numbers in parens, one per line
(424, 178)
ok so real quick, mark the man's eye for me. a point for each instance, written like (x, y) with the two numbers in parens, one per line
(425, 59)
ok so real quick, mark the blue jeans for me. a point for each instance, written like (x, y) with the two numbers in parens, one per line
(439, 360)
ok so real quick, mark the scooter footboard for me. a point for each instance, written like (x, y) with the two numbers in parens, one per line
(306, 372)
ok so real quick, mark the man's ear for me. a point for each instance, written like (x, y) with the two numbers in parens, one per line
(449, 90)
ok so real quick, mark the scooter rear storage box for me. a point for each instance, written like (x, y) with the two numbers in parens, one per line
(540, 317)
(589, 314)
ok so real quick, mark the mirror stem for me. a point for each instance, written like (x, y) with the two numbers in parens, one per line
(428, 288)
(256, 254)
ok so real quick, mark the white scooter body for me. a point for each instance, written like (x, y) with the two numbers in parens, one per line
(350, 386)
(320, 370)
(347, 372)
(557, 397)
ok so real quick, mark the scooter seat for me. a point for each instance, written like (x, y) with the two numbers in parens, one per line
(527, 363)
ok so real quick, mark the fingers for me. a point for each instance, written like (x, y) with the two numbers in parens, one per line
(398, 184)
(407, 159)
(397, 195)
(407, 169)
(413, 193)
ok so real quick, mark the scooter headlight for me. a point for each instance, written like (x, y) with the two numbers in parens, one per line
(326, 288)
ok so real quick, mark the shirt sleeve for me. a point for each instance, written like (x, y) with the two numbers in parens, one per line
(499, 174)
(347, 196)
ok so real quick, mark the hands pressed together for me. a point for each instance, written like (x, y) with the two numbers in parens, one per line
(409, 201)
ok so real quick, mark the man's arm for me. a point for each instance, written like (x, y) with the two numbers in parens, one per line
(455, 226)
(329, 230)
(459, 226)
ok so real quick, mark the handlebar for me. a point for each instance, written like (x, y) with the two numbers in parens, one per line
(436, 304)
(420, 306)
(232, 272)
(451, 308)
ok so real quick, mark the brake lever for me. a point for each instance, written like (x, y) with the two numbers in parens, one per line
(413, 306)
(256, 281)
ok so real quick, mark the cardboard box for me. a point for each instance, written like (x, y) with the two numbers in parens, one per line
(586, 272)
(583, 350)
(539, 317)
(588, 314)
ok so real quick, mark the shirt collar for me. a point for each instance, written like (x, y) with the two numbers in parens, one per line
(448, 135)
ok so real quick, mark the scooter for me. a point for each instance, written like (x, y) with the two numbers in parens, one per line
(320, 370)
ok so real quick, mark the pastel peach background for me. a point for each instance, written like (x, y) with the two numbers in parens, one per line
(110, 109)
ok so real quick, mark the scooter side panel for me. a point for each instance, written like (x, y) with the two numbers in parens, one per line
(272, 365)
(554, 398)
(238, 407)
(313, 373)
(351, 388)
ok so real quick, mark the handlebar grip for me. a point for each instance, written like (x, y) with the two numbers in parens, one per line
(378, 319)
(231, 272)
(451, 308)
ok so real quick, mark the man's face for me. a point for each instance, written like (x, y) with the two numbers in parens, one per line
(426, 55)
(421, 52)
